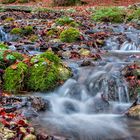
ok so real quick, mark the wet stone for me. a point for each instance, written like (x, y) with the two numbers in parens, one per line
(38, 103)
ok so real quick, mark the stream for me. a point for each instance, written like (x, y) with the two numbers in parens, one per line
(91, 104)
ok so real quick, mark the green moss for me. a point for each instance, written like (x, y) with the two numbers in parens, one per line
(74, 24)
(43, 76)
(16, 31)
(109, 14)
(69, 35)
(46, 72)
(134, 14)
(53, 32)
(27, 30)
(3, 47)
(17, 55)
(14, 78)
(7, 58)
(51, 57)
(64, 20)
(9, 19)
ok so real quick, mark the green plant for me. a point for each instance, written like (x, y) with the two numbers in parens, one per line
(16, 31)
(14, 79)
(8, 1)
(109, 14)
(69, 35)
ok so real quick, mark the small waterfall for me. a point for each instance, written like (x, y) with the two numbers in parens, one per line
(3, 35)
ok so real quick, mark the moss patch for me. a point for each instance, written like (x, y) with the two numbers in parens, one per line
(14, 78)
(109, 14)
(69, 35)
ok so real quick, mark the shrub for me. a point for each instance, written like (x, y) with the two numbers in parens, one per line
(111, 14)
(8, 1)
(14, 79)
(69, 35)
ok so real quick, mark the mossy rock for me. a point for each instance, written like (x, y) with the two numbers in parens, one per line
(46, 72)
(16, 31)
(69, 35)
(64, 20)
(27, 30)
(9, 19)
(14, 77)
(109, 14)
(42, 76)
(51, 57)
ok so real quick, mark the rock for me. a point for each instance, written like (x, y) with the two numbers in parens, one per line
(134, 112)
(30, 137)
(91, 31)
(64, 72)
(38, 103)
(86, 63)
(84, 52)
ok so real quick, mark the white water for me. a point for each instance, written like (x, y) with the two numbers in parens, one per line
(3, 35)
(130, 39)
